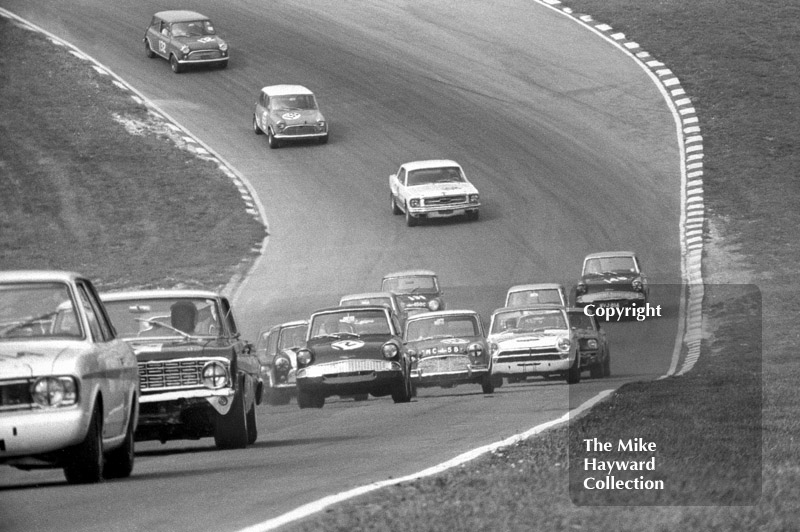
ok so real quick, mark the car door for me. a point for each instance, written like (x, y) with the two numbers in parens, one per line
(163, 39)
(397, 183)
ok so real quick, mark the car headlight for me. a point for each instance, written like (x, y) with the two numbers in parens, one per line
(493, 348)
(591, 343)
(389, 351)
(54, 391)
(434, 304)
(475, 350)
(473, 198)
(223, 46)
(637, 284)
(282, 364)
(563, 344)
(581, 288)
(414, 202)
(320, 123)
(185, 49)
(281, 125)
(215, 375)
(304, 357)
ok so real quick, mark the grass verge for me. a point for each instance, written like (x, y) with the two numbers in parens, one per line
(93, 182)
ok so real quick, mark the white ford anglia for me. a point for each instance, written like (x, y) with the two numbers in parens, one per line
(68, 387)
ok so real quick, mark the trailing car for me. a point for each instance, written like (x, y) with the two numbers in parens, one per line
(448, 348)
(69, 388)
(276, 350)
(612, 279)
(432, 189)
(534, 340)
(288, 112)
(592, 342)
(417, 290)
(185, 38)
(536, 294)
(389, 299)
(353, 351)
(198, 377)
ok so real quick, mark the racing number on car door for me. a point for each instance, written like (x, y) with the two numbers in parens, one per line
(162, 46)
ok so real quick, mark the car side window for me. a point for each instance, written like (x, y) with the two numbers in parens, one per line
(401, 176)
(227, 314)
(164, 29)
(272, 343)
(91, 314)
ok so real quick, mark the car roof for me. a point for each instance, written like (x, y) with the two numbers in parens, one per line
(438, 313)
(430, 163)
(284, 90)
(358, 308)
(180, 15)
(366, 295)
(542, 306)
(536, 286)
(158, 294)
(607, 254)
(409, 273)
(16, 276)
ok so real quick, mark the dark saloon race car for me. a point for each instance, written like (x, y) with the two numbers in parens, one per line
(288, 112)
(68, 386)
(592, 343)
(377, 298)
(612, 279)
(276, 350)
(448, 348)
(184, 38)
(198, 377)
(417, 290)
(351, 351)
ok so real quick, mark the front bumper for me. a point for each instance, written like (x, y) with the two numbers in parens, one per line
(530, 367)
(220, 400)
(436, 371)
(611, 298)
(198, 57)
(443, 211)
(349, 377)
(37, 431)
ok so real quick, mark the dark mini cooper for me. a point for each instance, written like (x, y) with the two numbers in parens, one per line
(417, 290)
(612, 279)
(276, 350)
(448, 348)
(184, 38)
(286, 113)
(198, 377)
(351, 351)
(592, 342)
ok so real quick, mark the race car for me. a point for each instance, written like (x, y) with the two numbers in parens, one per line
(185, 38)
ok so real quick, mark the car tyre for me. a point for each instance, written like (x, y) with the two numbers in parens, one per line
(411, 220)
(252, 426)
(147, 50)
(607, 365)
(487, 385)
(256, 128)
(596, 370)
(119, 462)
(395, 209)
(402, 392)
(473, 215)
(175, 65)
(323, 139)
(574, 372)
(231, 430)
(273, 142)
(306, 399)
(85, 461)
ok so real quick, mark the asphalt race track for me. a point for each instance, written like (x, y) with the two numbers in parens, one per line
(569, 142)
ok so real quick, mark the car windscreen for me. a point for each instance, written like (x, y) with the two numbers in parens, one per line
(345, 323)
(410, 284)
(426, 176)
(528, 321)
(609, 264)
(531, 297)
(195, 28)
(297, 101)
(165, 317)
(292, 337)
(37, 311)
(441, 327)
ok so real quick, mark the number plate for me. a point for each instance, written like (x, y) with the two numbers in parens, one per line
(609, 304)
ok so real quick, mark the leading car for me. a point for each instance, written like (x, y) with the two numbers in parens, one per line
(69, 390)
(612, 279)
(185, 38)
(198, 376)
(432, 189)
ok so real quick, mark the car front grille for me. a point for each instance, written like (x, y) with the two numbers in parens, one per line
(15, 394)
(443, 364)
(300, 130)
(158, 375)
(528, 355)
(445, 200)
(205, 54)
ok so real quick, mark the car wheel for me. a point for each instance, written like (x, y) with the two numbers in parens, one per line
(402, 392)
(256, 128)
(596, 370)
(487, 385)
(252, 427)
(395, 208)
(119, 462)
(231, 431)
(173, 62)
(147, 50)
(574, 372)
(273, 142)
(323, 139)
(411, 221)
(473, 215)
(222, 65)
(607, 365)
(85, 460)
(306, 399)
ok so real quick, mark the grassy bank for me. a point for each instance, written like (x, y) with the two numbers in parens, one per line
(81, 192)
